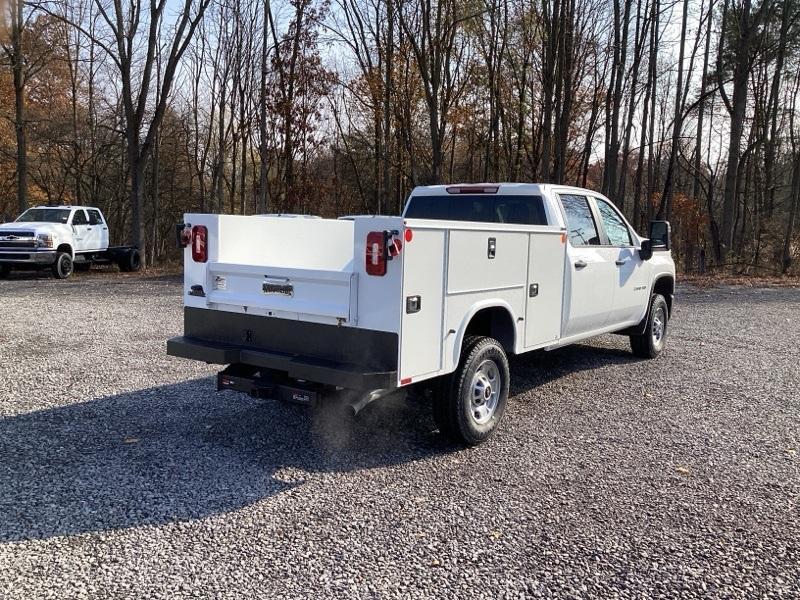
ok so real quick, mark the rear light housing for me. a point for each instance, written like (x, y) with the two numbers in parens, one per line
(473, 189)
(200, 243)
(376, 253)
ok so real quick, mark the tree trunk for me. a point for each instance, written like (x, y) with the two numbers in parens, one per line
(737, 108)
(20, 116)
(664, 208)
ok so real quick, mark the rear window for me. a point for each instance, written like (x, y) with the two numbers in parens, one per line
(95, 218)
(480, 208)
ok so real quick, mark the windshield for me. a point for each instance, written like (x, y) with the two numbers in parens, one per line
(44, 215)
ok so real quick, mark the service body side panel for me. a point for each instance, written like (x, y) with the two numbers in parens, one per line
(460, 308)
(423, 277)
(470, 267)
(545, 288)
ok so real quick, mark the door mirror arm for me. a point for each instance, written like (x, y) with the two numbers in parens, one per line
(646, 250)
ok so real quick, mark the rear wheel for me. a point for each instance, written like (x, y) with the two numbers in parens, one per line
(83, 267)
(4, 271)
(130, 261)
(474, 397)
(63, 266)
(652, 341)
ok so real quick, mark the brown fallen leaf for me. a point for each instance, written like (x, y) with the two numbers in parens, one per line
(682, 470)
(130, 440)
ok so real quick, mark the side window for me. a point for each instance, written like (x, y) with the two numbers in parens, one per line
(79, 218)
(95, 218)
(616, 230)
(581, 227)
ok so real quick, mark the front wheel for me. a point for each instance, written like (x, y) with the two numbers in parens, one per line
(63, 266)
(652, 341)
(474, 396)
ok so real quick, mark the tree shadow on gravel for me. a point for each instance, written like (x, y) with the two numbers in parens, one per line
(182, 452)
(537, 368)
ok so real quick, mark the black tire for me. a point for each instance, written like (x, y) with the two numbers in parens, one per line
(475, 394)
(4, 271)
(63, 266)
(130, 261)
(651, 343)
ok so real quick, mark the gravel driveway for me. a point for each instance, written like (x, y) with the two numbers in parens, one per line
(124, 475)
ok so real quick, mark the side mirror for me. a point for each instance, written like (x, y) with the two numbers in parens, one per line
(646, 251)
(660, 234)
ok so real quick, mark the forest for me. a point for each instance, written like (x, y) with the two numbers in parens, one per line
(681, 110)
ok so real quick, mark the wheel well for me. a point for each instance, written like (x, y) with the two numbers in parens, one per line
(666, 287)
(494, 322)
(65, 248)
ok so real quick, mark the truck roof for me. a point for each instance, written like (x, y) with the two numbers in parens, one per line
(69, 206)
(490, 187)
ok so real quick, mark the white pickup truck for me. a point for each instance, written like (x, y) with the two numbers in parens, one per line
(61, 238)
(433, 300)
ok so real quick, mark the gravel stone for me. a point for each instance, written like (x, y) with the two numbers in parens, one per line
(123, 474)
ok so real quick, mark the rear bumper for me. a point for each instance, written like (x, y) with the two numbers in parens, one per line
(295, 366)
(29, 256)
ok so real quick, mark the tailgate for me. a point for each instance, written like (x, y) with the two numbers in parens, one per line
(284, 292)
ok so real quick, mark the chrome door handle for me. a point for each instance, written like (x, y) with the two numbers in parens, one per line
(580, 264)
(619, 263)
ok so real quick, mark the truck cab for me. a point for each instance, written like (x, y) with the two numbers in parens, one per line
(435, 299)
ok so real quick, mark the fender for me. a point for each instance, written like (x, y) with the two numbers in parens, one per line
(640, 328)
(66, 247)
(475, 309)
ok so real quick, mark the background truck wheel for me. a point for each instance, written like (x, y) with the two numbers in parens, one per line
(62, 268)
(651, 342)
(475, 395)
(130, 261)
(4, 271)
(83, 267)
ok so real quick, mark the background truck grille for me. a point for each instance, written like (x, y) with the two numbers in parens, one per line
(9, 244)
(19, 234)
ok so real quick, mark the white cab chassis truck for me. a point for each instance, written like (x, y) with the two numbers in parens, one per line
(434, 300)
(61, 238)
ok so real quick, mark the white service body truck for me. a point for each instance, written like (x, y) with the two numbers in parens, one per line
(61, 238)
(435, 300)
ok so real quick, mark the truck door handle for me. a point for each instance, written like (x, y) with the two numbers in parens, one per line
(621, 262)
(580, 264)
(492, 249)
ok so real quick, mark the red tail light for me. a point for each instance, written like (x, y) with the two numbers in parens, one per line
(376, 253)
(200, 243)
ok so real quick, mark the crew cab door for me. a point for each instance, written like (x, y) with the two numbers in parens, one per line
(81, 230)
(97, 234)
(630, 281)
(590, 271)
